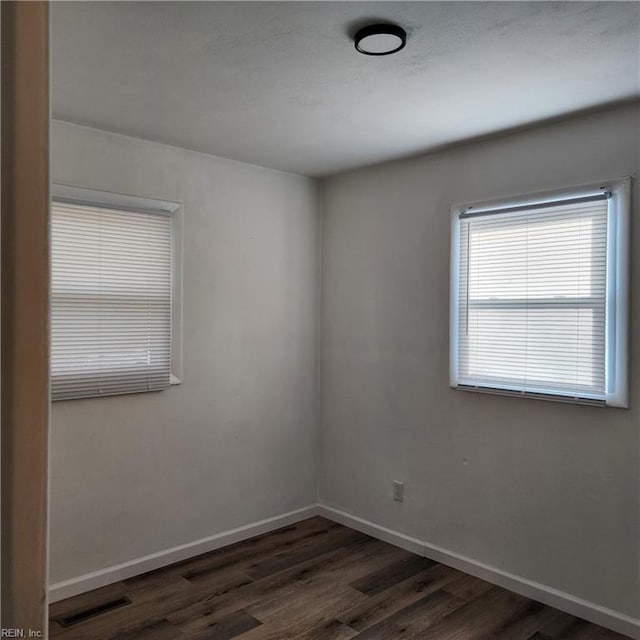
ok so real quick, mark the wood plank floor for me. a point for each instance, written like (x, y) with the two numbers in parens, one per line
(315, 580)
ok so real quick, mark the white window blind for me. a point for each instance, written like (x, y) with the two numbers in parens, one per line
(110, 301)
(535, 299)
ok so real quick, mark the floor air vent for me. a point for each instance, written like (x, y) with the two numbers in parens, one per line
(85, 614)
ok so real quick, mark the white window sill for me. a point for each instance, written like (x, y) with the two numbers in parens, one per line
(549, 397)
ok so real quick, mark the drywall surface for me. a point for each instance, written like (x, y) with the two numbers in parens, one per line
(235, 442)
(280, 84)
(545, 491)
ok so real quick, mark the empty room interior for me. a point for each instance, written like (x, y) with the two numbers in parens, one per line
(344, 321)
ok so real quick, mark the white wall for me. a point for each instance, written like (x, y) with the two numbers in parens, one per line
(236, 442)
(546, 491)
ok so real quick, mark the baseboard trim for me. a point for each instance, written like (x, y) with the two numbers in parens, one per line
(575, 606)
(608, 618)
(103, 577)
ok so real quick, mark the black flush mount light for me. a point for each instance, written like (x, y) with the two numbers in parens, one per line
(380, 39)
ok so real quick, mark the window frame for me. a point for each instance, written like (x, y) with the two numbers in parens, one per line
(133, 203)
(617, 290)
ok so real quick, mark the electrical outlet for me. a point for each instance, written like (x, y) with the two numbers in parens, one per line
(398, 491)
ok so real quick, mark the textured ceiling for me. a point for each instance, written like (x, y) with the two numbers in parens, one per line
(279, 84)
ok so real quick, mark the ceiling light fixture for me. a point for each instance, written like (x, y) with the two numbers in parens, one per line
(380, 39)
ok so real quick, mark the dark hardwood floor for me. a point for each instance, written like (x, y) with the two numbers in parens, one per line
(314, 580)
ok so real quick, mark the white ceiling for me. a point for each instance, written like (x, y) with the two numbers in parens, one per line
(279, 84)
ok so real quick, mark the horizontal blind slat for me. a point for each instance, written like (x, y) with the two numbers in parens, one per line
(532, 300)
(110, 301)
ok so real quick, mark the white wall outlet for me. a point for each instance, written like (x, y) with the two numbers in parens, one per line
(398, 491)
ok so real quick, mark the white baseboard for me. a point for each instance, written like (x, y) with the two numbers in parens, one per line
(103, 577)
(534, 590)
(565, 602)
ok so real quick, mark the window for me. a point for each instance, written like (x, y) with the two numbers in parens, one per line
(539, 296)
(111, 297)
